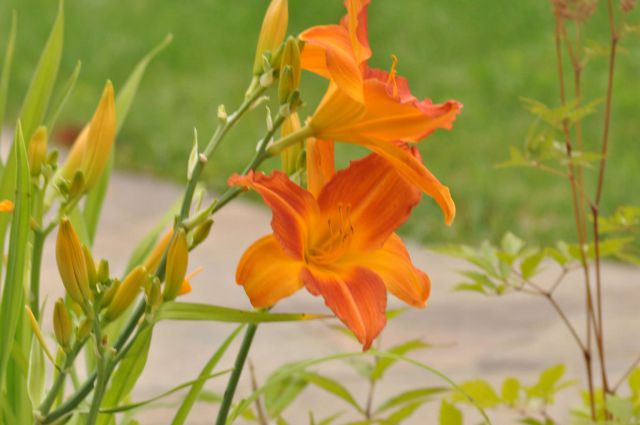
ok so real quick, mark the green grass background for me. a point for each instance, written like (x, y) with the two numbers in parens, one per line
(485, 54)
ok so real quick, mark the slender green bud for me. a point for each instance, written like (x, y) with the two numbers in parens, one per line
(274, 28)
(37, 150)
(108, 295)
(201, 232)
(127, 292)
(62, 324)
(72, 264)
(154, 293)
(290, 70)
(177, 263)
(76, 186)
(84, 329)
(103, 271)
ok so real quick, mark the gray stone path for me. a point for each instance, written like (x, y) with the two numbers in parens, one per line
(474, 336)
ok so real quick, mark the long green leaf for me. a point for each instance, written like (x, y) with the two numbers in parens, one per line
(95, 198)
(58, 104)
(410, 396)
(39, 92)
(383, 364)
(126, 375)
(207, 312)
(332, 386)
(196, 388)
(13, 290)
(6, 67)
(199, 381)
(33, 110)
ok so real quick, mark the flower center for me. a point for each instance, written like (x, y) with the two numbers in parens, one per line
(335, 239)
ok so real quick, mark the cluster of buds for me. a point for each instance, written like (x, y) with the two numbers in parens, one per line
(574, 10)
(90, 288)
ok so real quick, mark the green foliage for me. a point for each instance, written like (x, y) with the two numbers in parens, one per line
(208, 312)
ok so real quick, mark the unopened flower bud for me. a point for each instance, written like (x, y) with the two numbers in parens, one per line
(290, 70)
(6, 206)
(37, 150)
(103, 271)
(126, 293)
(154, 293)
(202, 232)
(274, 28)
(177, 263)
(84, 329)
(91, 150)
(91, 267)
(76, 187)
(109, 293)
(155, 256)
(62, 324)
(289, 156)
(72, 265)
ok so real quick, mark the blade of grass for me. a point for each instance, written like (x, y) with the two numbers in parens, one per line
(6, 67)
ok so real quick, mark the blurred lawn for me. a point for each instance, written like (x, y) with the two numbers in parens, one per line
(484, 53)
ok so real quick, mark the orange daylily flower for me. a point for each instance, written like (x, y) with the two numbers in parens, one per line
(370, 107)
(338, 242)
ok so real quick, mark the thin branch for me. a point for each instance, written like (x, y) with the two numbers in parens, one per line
(262, 417)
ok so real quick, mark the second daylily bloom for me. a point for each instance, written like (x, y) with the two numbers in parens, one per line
(370, 107)
(338, 241)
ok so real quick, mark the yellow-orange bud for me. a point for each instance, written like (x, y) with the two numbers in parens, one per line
(177, 263)
(155, 256)
(91, 150)
(62, 324)
(274, 28)
(37, 150)
(289, 157)
(91, 267)
(127, 291)
(72, 265)
(6, 206)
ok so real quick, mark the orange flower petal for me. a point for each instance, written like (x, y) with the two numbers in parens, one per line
(411, 169)
(328, 52)
(356, 22)
(357, 297)
(393, 264)
(267, 273)
(320, 164)
(294, 209)
(370, 199)
(384, 117)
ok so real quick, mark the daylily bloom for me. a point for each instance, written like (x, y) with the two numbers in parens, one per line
(337, 240)
(370, 107)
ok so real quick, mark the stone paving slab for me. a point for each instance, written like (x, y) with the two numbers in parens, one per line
(474, 336)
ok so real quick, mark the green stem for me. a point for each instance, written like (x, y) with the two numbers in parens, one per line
(232, 384)
(102, 369)
(288, 140)
(46, 404)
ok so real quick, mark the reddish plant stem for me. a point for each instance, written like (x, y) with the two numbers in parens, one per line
(578, 219)
(598, 197)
